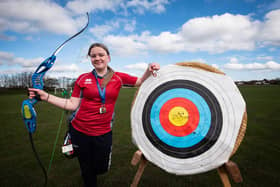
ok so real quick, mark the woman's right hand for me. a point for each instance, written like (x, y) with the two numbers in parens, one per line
(33, 92)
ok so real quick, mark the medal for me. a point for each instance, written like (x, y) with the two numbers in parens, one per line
(102, 109)
(102, 92)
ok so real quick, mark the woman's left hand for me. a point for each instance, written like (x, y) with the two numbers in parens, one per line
(153, 68)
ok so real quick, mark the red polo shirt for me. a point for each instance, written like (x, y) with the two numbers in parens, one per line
(88, 119)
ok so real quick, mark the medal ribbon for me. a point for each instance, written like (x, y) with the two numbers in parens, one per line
(100, 90)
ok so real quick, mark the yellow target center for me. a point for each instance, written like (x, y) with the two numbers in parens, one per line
(178, 116)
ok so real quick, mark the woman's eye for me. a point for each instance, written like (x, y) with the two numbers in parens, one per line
(95, 55)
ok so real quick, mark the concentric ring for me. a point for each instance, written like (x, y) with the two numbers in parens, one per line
(188, 121)
(200, 139)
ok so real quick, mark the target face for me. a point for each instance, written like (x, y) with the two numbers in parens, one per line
(182, 118)
(186, 120)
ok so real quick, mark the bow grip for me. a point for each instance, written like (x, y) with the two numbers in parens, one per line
(29, 114)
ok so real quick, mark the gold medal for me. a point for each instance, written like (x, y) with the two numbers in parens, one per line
(102, 109)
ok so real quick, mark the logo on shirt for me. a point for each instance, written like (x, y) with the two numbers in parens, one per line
(88, 81)
(113, 80)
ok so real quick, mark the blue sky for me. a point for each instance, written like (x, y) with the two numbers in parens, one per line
(240, 37)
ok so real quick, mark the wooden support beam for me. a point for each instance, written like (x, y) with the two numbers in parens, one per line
(223, 175)
(228, 169)
(233, 171)
(138, 157)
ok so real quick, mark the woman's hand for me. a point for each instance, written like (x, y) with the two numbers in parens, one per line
(33, 92)
(64, 103)
(153, 68)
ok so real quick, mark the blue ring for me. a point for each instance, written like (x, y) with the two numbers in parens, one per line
(203, 125)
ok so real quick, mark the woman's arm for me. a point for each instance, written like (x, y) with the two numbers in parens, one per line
(67, 104)
(150, 70)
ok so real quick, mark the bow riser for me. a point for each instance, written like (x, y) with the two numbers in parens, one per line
(27, 108)
(37, 77)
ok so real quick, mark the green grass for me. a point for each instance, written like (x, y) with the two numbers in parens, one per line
(257, 157)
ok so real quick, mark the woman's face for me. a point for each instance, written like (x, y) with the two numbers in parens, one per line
(99, 58)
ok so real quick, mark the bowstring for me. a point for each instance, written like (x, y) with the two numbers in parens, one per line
(38, 158)
(64, 111)
(56, 140)
(79, 56)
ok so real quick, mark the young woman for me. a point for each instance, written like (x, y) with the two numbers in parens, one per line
(93, 98)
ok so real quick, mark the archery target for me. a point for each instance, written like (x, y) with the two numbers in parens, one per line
(186, 121)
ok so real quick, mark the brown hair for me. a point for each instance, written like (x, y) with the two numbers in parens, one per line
(98, 45)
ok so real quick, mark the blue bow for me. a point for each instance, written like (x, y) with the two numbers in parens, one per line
(27, 108)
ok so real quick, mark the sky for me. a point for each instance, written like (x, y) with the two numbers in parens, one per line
(239, 37)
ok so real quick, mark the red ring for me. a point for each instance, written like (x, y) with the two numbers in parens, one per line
(189, 126)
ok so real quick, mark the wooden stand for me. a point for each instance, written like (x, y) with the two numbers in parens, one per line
(138, 156)
(228, 169)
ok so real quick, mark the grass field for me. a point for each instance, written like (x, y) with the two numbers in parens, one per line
(257, 157)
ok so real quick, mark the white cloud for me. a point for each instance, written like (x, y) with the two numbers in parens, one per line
(31, 16)
(30, 65)
(264, 57)
(66, 68)
(100, 31)
(83, 6)
(220, 33)
(34, 16)
(9, 59)
(233, 60)
(214, 34)
(129, 26)
(270, 28)
(28, 62)
(235, 65)
(139, 6)
(5, 57)
(166, 42)
(139, 66)
(215, 66)
(122, 45)
(273, 65)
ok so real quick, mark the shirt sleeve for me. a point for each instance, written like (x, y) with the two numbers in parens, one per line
(127, 80)
(77, 88)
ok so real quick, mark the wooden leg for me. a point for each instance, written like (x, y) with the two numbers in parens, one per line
(223, 175)
(233, 171)
(138, 156)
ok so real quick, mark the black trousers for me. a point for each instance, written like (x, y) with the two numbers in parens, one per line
(94, 154)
